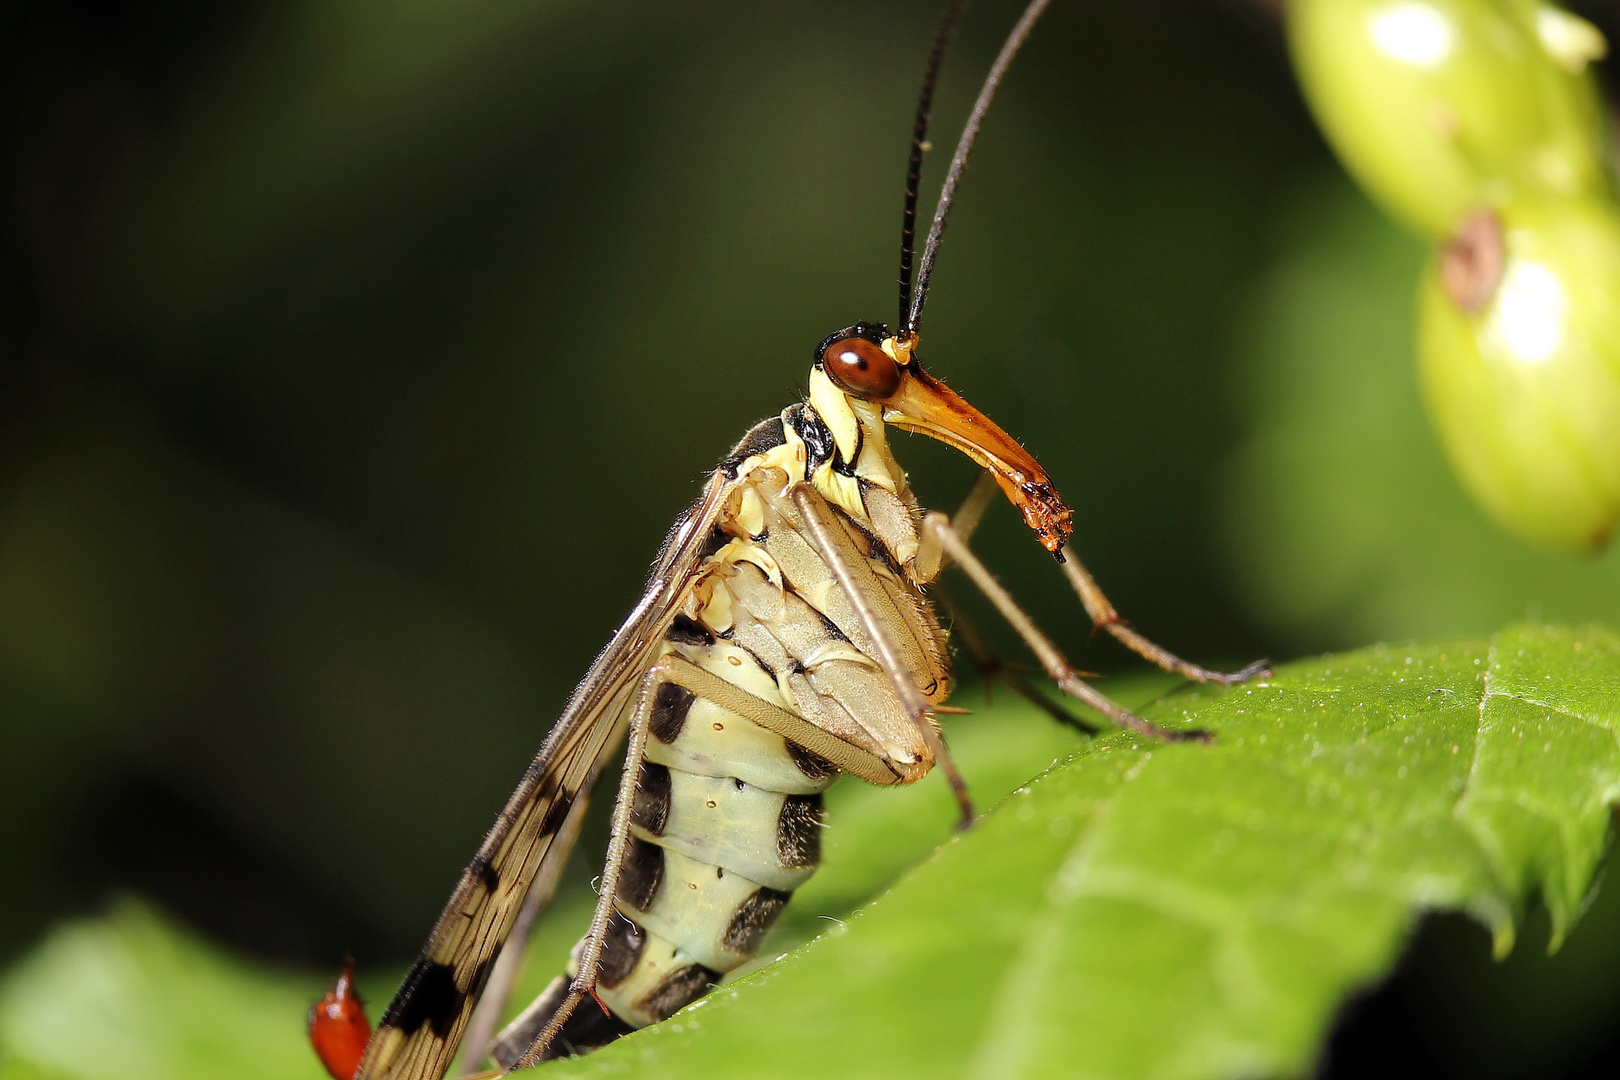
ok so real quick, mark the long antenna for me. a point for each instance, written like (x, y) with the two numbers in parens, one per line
(987, 94)
(919, 135)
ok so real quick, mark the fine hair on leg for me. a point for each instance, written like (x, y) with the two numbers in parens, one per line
(590, 954)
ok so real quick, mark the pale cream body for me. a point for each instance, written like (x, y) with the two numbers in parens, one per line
(731, 808)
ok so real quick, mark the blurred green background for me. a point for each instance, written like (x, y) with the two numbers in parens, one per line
(356, 357)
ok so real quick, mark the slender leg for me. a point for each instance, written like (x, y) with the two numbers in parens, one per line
(487, 1016)
(590, 955)
(821, 526)
(931, 557)
(993, 669)
(931, 562)
(1053, 661)
(1104, 617)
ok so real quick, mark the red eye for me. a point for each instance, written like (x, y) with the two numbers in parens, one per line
(861, 368)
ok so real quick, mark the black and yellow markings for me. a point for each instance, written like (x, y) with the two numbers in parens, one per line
(726, 815)
(621, 952)
(676, 992)
(709, 913)
(762, 438)
(670, 706)
(650, 813)
(658, 979)
(811, 764)
(687, 631)
(725, 824)
(642, 875)
(765, 836)
(746, 931)
(697, 735)
(798, 831)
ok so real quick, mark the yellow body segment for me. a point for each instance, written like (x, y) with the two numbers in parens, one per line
(718, 742)
(695, 908)
(730, 825)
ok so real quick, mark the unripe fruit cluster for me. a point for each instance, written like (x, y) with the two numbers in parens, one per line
(1476, 122)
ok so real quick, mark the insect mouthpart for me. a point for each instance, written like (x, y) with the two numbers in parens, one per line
(923, 403)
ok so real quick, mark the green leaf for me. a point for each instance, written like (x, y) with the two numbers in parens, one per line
(1137, 910)
(1144, 910)
(133, 997)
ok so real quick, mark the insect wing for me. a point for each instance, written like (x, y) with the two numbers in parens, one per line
(418, 1035)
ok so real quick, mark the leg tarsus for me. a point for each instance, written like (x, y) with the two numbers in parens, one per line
(1104, 617)
(1260, 669)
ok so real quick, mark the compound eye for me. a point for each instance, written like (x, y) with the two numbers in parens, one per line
(861, 368)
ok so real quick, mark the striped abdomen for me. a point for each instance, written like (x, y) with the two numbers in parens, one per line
(727, 824)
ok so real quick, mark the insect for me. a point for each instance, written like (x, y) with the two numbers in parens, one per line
(338, 1028)
(785, 637)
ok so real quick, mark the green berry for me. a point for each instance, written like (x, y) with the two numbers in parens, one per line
(1441, 106)
(1519, 355)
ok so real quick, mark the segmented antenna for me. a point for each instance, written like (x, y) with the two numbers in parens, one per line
(919, 135)
(953, 177)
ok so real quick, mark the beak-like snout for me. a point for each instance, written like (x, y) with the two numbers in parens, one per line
(925, 404)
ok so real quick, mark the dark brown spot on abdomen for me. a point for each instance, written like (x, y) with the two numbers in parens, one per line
(621, 949)
(798, 831)
(669, 711)
(753, 920)
(650, 810)
(642, 874)
(677, 991)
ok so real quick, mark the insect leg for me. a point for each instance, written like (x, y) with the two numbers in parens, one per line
(590, 954)
(931, 562)
(1104, 617)
(475, 1044)
(931, 559)
(1061, 671)
(993, 669)
(818, 520)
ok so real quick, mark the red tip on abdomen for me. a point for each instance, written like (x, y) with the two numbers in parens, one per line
(338, 1028)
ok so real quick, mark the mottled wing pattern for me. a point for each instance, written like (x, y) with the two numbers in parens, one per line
(418, 1035)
